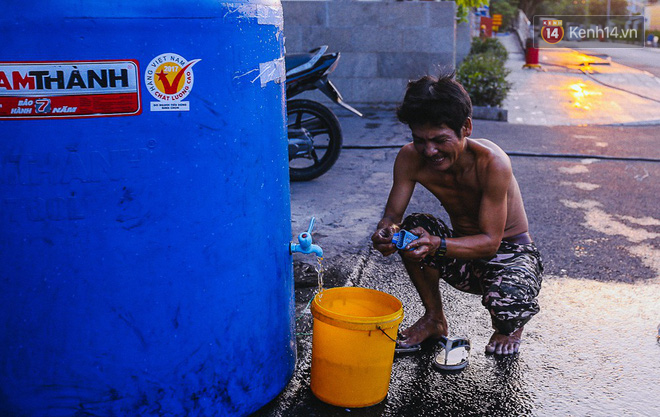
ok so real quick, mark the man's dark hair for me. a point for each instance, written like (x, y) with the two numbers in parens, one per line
(438, 101)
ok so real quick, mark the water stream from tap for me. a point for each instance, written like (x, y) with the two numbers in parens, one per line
(319, 272)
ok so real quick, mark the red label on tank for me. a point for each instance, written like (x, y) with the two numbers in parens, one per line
(69, 89)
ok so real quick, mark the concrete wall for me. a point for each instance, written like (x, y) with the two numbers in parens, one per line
(383, 45)
(522, 28)
(463, 41)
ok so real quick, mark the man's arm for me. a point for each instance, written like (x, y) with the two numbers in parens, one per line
(400, 194)
(492, 215)
(497, 177)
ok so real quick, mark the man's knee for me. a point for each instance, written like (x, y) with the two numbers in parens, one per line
(430, 223)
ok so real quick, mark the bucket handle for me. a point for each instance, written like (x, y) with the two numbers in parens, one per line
(388, 336)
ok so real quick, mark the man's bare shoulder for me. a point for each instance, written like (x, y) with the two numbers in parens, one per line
(408, 150)
(490, 153)
(408, 156)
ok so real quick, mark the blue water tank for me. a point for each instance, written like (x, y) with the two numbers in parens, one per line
(144, 208)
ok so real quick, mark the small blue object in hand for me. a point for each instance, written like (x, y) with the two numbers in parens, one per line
(403, 238)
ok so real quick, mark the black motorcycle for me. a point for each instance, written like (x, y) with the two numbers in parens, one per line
(315, 136)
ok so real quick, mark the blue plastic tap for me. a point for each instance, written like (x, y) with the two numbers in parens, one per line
(306, 245)
(403, 238)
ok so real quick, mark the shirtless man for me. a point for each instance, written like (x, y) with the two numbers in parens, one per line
(489, 251)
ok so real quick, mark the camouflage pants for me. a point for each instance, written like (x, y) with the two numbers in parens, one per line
(509, 282)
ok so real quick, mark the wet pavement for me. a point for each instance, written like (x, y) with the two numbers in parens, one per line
(592, 349)
(583, 87)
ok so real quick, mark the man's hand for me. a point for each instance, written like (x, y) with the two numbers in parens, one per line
(425, 245)
(382, 239)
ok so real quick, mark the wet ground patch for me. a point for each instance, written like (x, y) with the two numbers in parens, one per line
(592, 349)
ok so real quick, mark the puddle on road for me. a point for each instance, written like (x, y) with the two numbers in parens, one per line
(591, 350)
(594, 348)
(582, 95)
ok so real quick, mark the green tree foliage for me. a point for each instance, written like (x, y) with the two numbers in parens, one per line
(576, 7)
(563, 7)
(529, 6)
(483, 74)
(463, 8)
(599, 7)
(489, 46)
(507, 8)
(484, 78)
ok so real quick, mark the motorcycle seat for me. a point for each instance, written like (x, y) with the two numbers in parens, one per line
(295, 60)
(296, 63)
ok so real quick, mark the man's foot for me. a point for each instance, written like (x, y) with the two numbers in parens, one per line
(427, 327)
(504, 345)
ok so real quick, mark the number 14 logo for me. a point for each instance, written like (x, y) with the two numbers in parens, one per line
(551, 32)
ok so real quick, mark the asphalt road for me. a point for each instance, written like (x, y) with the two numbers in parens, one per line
(350, 198)
(585, 213)
(591, 198)
(596, 221)
(645, 59)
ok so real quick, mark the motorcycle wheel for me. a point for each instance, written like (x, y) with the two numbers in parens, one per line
(323, 126)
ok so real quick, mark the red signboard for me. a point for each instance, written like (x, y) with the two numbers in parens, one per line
(69, 89)
(486, 27)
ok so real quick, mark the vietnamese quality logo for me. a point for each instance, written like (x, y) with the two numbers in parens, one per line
(169, 78)
(552, 31)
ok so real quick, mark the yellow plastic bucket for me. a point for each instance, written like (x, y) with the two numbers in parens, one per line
(353, 345)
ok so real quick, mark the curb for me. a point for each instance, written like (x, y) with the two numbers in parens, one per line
(490, 113)
(640, 123)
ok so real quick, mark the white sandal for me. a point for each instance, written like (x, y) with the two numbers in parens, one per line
(454, 354)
